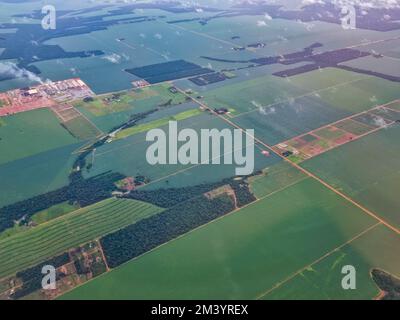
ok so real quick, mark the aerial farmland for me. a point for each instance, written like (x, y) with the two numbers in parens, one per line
(200, 151)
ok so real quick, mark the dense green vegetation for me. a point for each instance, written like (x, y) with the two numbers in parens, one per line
(147, 234)
(32, 277)
(387, 283)
(82, 191)
(41, 242)
(167, 198)
(187, 209)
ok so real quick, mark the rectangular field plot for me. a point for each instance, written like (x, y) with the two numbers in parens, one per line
(387, 114)
(394, 106)
(372, 120)
(241, 255)
(49, 239)
(81, 128)
(128, 156)
(353, 127)
(368, 170)
(375, 249)
(274, 178)
(157, 123)
(325, 78)
(30, 133)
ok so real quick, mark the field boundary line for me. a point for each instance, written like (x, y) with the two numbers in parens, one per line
(292, 276)
(102, 254)
(398, 111)
(90, 121)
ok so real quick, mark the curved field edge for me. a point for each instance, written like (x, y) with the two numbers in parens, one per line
(44, 241)
(241, 255)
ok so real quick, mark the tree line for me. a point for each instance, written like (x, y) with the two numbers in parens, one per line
(147, 234)
(32, 277)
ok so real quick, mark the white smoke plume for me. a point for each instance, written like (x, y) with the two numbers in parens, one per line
(10, 69)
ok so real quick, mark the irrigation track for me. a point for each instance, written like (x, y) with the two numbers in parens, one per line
(305, 171)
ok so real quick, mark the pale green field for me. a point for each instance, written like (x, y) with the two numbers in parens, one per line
(53, 212)
(157, 123)
(241, 255)
(275, 178)
(82, 129)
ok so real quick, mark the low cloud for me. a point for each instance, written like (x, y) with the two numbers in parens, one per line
(10, 69)
(113, 58)
(261, 23)
(380, 122)
(264, 110)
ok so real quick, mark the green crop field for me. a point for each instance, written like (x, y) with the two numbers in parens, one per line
(157, 123)
(81, 128)
(54, 237)
(275, 178)
(240, 256)
(373, 250)
(325, 78)
(353, 127)
(329, 134)
(247, 95)
(361, 95)
(53, 212)
(29, 133)
(368, 170)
